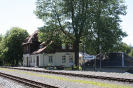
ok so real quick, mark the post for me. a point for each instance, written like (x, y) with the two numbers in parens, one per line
(95, 63)
(14, 57)
(100, 59)
(122, 61)
(43, 59)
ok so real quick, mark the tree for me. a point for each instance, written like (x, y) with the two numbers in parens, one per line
(11, 44)
(81, 18)
(1, 37)
(0, 46)
(131, 53)
(106, 26)
(121, 47)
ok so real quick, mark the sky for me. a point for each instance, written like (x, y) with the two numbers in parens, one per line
(19, 13)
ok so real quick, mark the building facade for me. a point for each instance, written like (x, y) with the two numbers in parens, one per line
(35, 53)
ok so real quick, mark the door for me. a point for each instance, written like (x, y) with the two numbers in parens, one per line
(37, 61)
(27, 61)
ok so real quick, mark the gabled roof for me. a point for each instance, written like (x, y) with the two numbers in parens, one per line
(29, 38)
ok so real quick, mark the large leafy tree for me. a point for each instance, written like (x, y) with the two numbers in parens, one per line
(106, 26)
(0, 46)
(84, 19)
(11, 44)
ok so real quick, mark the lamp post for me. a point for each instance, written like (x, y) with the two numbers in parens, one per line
(43, 59)
(100, 47)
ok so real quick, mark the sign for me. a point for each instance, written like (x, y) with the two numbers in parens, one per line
(67, 54)
(71, 63)
(89, 57)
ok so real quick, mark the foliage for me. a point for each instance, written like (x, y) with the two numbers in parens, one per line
(106, 26)
(131, 53)
(11, 44)
(94, 22)
(121, 47)
(74, 68)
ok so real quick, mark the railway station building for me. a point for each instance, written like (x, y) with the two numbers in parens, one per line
(35, 53)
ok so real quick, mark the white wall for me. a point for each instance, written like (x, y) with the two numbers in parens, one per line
(57, 59)
(25, 59)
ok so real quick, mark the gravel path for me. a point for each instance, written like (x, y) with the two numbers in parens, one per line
(60, 83)
(7, 83)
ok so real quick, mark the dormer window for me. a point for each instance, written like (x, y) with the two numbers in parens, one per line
(63, 46)
(41, 46)
(70, 46)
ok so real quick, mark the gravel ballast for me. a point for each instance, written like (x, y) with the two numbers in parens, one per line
(7, 83)
(60, 83)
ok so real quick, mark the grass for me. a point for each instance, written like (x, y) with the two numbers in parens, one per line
(100, 84)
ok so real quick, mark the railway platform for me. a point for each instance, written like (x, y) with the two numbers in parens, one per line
(104, 74)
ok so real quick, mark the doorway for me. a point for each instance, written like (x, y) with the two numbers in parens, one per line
(37, 61)
(27, 61)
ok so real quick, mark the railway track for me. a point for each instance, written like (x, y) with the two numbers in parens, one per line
(27, 82)
(79, 75)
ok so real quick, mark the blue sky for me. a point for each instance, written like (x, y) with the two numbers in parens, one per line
(19, 13)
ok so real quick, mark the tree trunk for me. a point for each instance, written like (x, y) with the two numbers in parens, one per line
(77, 53)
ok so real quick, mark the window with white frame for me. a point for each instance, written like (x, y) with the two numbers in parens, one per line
(63, 59)
(70, 46)
(50, 59)
(70, 58)
(63, 46)
(31, 59)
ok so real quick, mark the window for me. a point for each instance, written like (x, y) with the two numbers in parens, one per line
(63, 59)
(24, 59)
(70, 46)
(27, 47)
(71, 58)
(50, 59)
(63, 46)
(31, 59)
(24, 48)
